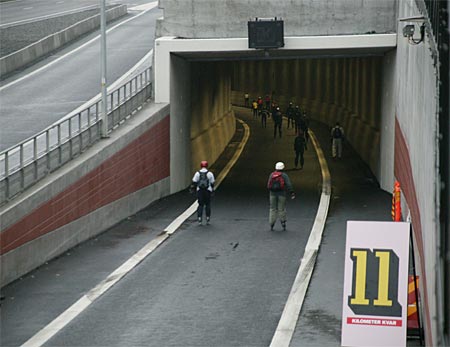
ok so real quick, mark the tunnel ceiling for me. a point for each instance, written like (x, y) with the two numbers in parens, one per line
(281, 54)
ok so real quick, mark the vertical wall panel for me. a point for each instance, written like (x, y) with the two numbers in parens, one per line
(330, 89)
(364, 90)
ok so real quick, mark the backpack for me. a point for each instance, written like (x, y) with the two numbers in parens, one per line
(203, 181)
(278, 117)
(337, 133)
(276, 182)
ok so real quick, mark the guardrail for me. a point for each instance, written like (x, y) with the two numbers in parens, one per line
(29, 161)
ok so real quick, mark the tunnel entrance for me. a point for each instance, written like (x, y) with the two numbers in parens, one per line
(345, 84)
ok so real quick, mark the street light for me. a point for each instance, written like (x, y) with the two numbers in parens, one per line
(104, 117)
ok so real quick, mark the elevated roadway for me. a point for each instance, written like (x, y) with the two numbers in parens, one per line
(46, 92)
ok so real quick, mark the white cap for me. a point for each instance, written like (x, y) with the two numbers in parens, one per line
(279, 166)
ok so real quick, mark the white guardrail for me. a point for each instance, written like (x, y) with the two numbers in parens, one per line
(29, 161)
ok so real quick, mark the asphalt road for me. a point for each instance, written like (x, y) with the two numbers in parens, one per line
(24, 11)
(35, 99)
(220, 285)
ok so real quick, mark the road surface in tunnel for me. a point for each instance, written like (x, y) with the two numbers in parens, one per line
(220, 285)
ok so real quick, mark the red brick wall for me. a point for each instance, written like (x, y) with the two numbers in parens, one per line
(403, 173)
(143, 162)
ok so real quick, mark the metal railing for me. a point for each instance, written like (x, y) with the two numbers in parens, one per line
(29, 161)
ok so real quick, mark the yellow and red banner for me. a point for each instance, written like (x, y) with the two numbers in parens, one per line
(375, 301)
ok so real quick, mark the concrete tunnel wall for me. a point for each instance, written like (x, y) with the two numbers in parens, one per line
(228, 19)
(212, 119)
(347, 90)
(415, 108)
(202, 119)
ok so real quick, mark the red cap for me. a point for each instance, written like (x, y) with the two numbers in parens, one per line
(204, 163)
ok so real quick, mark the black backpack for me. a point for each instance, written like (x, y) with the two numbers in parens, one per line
(337, 133)
(203, 181)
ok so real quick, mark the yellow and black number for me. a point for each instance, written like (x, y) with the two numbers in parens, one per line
(375, 282)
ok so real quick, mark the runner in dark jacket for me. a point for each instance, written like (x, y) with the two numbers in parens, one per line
(299, 148)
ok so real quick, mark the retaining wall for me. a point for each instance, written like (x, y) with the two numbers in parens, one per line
(416, 159)
(110, 181)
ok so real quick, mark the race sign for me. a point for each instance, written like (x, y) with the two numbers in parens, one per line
(374, 311)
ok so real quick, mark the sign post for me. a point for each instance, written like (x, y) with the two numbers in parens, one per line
(375, 298)
(104, 130)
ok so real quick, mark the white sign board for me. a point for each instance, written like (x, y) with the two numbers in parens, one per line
(375, 301)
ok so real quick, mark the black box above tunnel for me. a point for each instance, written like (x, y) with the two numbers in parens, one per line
(265, 33)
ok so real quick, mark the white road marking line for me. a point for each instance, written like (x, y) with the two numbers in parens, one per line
(288, 321)
(27, 8)
(51, 329)
(69, 53)
(144, 7)
(86, 300)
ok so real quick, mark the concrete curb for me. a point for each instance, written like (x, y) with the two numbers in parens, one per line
(29, 54)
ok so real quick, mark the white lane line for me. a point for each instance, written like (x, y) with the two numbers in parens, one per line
(70, 53)
(86, 300)
(144, 7)
(68, 315)
(288, 321)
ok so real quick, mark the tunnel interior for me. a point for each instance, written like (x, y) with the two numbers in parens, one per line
(343, 87)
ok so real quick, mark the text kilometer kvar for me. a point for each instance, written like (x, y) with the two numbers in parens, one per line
(373, 321)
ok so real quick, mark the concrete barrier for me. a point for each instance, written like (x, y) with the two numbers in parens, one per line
(33, 52)
(110, 181)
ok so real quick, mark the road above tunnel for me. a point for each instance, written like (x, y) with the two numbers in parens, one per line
(62, 82)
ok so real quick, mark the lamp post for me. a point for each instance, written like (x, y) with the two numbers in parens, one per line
(104, 130)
